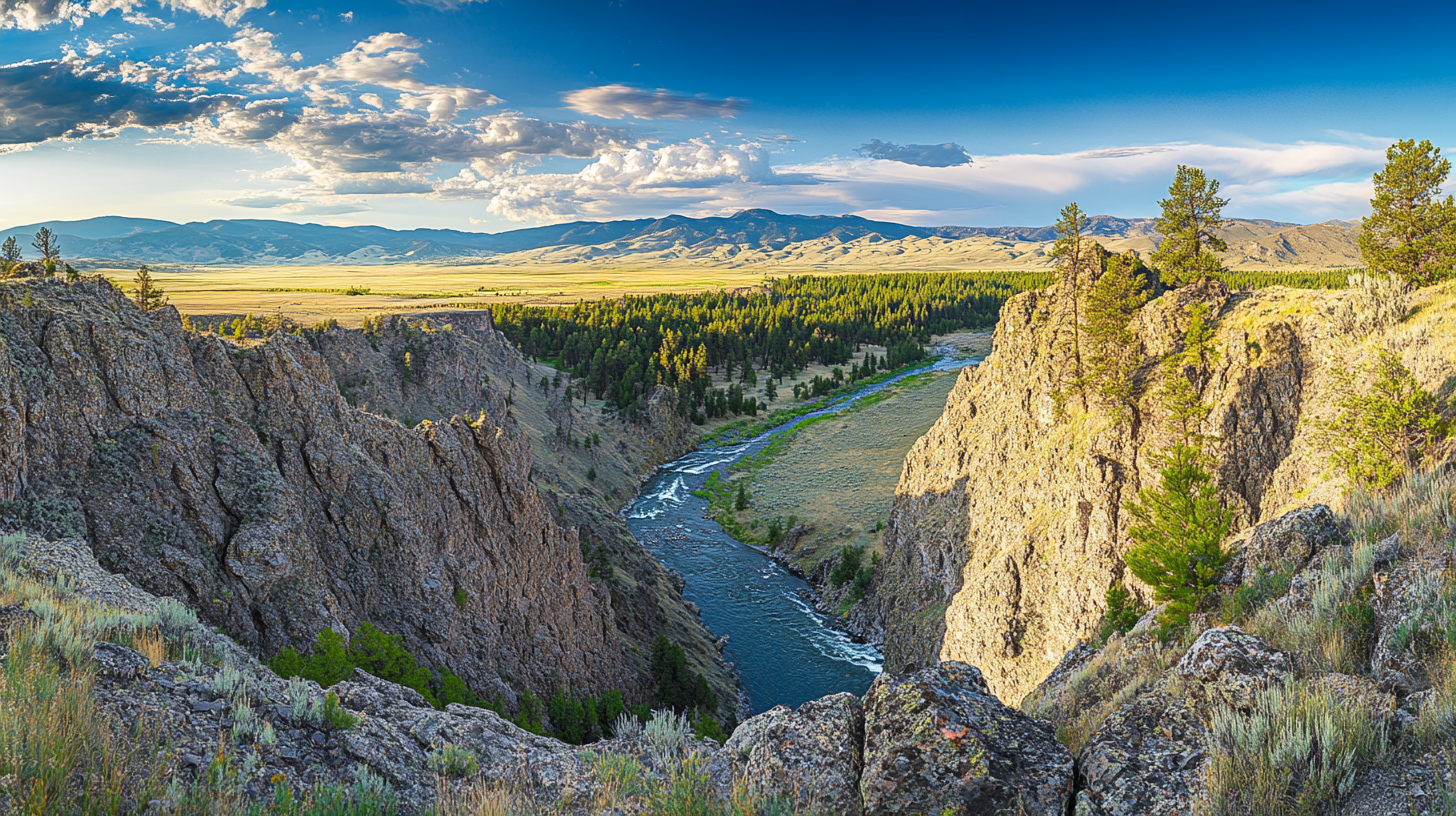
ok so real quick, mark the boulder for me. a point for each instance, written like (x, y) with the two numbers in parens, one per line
(119, 662)
(1230, 665)
(938, 740)
(811, 755)
(1287, 543)
(1146, 759)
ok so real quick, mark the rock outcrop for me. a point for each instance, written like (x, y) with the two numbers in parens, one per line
(239, 480)
(441, 365)
(1010, 518)
(220, 722)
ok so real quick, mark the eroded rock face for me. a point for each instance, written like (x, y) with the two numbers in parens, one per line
(938, 740)
(1010, 518)
(240, 481)
(810, 755)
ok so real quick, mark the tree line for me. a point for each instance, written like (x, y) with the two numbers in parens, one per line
(620, 350)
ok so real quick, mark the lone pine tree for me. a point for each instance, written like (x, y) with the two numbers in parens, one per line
(1410, 232)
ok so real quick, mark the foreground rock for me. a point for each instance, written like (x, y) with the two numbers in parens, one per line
(938, 740)
(812, 756)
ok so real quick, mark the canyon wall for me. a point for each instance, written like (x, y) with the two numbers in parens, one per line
(240, 480)
(1010, 517)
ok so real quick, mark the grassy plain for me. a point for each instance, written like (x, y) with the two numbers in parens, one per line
(838, 475)
(308, 294)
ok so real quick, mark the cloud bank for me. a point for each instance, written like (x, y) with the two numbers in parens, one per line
(623, 101)
(33, 15)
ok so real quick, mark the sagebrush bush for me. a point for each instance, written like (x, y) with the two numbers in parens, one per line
(665, 735)
(1371, 303)
(1334, 632)
(1297, 752)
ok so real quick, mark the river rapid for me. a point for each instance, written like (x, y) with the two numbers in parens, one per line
(786, 652)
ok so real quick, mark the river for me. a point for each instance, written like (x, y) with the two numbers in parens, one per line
(786, 652)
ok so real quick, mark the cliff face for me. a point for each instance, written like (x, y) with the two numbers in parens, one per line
(459, 364)
(241, 481)
(1009, 522)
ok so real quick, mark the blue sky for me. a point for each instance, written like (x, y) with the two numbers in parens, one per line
(494, 114)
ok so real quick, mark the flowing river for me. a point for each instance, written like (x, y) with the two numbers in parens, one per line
(786, 651)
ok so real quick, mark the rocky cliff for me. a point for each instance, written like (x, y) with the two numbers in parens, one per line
(241, 481)
(442, 365)
(1010, 523)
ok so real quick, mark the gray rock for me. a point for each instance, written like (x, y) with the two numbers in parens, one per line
(811, 755)
(120, 662)
(1287, 543)
(1230, 665)
(938, 739)
(1146, 759)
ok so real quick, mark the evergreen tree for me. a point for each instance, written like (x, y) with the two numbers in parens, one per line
(385, 657)
(741, 501)
(1410, 232)
(1184, 374)
(149, 296)
(49, 248)
(1192, 214)
(1114, 354)
(288, 663)
(1070, 252)
(1179, 527)
(71, 274)
(10, 257)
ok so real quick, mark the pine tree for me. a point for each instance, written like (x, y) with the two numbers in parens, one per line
(10, 257)
(1114, 351)
(49, 248)
(1410, 232)
(1183, 378)
(1070, 252)
(1192, 213)
(741, 502)
(149, 296)
(1179, 528)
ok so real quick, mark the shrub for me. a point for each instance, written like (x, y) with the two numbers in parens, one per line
(298, 696)
(1385, 430)
(1123, 611)
(708, 727)
(1297, 752)
(568, 718)
(461, 597)
(528, 715)
(627, 727)
(335, 717)
(1334, 631)
(1248, 599)
(454, 761)
(1371, 303)
(620, 776)
(845, 568)
(677, 686)
(665, 734)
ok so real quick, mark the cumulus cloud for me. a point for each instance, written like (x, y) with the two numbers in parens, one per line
(949, 154)
(673, 175)
(33, 15)
(47, 100)
(386, 60)
(622, 101)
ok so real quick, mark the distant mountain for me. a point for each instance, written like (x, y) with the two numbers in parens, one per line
(750, 237)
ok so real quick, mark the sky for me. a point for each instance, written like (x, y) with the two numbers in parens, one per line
(498, 114)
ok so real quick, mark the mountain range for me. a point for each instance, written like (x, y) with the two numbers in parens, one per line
(749, 237)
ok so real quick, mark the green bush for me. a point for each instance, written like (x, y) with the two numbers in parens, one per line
(454, 761)
(335, 717)
(847, 566)
(1123, 611)
(528, 715)
(1386, 429)
(461, 597)
(708, 727)
(1248, 599)
(676, 685)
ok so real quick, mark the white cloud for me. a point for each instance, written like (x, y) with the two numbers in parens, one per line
(33, 15)
(622, 101)
(689, 174)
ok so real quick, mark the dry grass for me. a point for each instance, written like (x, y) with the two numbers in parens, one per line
(1116, 675)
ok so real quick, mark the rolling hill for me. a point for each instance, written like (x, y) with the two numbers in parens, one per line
(747, 238)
